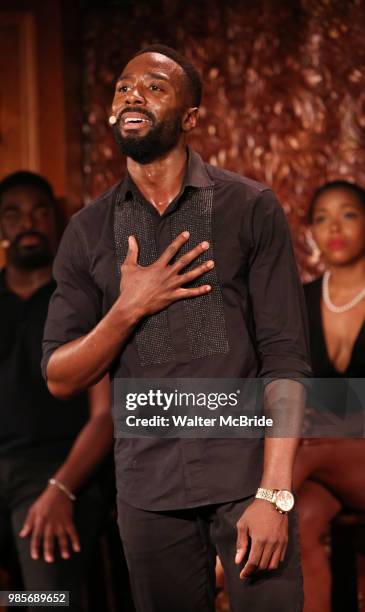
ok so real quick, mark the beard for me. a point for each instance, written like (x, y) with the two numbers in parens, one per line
(30, 257)
(159, 140)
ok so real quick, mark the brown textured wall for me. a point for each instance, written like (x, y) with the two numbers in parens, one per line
(284, 97)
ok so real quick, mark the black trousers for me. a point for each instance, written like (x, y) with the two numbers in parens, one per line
(171, 561)
(22, 480)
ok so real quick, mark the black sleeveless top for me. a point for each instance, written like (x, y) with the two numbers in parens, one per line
(321, 364)
(341, 401)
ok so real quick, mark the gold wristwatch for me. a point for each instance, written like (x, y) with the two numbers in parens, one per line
(281, 499)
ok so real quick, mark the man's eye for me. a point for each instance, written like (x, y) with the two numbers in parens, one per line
(41, 212)
(350, 215)
(10, 215)
(155, 87)
(122, 88)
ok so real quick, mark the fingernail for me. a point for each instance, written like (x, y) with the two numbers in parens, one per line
(205, 245)
(186, 234)
(207, 288)
(237, 557)
(210, 264)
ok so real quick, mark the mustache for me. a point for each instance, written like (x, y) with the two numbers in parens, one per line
(136, 109)
(32, 233)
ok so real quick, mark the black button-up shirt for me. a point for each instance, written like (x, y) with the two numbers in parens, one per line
(32, 421)
(251, 324)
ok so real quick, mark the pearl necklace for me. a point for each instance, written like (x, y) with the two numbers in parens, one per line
(327, 300)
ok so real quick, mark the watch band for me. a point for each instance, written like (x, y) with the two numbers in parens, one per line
(267, 494)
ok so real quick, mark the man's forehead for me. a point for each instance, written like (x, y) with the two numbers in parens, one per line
(25, 193)
(150, 62)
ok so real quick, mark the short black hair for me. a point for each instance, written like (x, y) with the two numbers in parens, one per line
(358, 191)
(191, 73)
(25, 178)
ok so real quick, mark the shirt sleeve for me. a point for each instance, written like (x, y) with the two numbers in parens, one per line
(276, 294)
(75, 306)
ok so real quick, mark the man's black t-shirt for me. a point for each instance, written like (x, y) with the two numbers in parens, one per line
(32, 421)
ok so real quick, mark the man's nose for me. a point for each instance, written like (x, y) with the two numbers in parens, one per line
(27, 221)
(134, 96)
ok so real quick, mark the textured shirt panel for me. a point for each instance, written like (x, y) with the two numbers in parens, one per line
(131, 218)
(204, 315)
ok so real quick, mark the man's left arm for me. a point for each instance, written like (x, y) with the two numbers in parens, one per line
(279, 315)
(50, 518)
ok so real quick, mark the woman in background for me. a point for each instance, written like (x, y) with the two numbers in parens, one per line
(330, 473)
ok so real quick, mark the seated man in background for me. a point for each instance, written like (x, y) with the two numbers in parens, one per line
(48, 449)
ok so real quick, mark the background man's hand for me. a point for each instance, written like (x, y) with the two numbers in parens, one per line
(48, 519)
(149, 289)
(265, 530)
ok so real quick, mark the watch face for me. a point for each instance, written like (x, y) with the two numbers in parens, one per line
(284, 500)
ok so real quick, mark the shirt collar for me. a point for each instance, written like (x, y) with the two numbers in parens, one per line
(196, 175)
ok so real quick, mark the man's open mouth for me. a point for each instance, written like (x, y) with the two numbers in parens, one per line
(134, 119)
(29, 241)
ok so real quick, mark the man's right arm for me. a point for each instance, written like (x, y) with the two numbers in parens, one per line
(77, 364)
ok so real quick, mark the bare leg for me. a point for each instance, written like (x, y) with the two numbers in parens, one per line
(338, 465)
(317, 507)
(327, 475)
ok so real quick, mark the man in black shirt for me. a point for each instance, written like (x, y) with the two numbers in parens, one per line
(185, 270)
(48, 448)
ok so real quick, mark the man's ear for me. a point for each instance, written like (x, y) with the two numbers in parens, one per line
(190, 119)
(4, 242)
(4, 245)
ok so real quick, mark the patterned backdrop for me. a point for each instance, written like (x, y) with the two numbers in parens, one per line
(284, 98)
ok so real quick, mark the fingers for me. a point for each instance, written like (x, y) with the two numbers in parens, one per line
(253, 560)
(263, 557)
(36, 538)
(75, 541)
(182, 294)
(132, 253)
(187, 258)
(275, 559)
(27, 526)
(242, 544)
(63, 543)
(49, 534)
(173, 248)
(270, 551)
(48, 544)
(193, 274)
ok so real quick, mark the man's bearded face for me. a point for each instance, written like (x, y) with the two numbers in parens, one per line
(28, 224)
(159, 139)
(30, 250)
